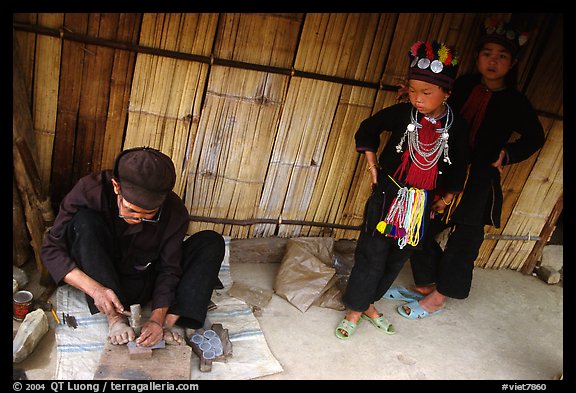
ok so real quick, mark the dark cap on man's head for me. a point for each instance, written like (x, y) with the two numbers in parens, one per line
(145, 175)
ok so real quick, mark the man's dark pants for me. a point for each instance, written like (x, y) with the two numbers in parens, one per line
(91, 245)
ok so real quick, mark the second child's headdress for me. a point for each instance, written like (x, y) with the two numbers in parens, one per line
(503, 33)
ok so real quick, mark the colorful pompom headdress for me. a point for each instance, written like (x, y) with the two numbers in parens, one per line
(503, 33)
(433, 62)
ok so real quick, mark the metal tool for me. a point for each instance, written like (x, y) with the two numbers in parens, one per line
(135, 318)
(69, 320)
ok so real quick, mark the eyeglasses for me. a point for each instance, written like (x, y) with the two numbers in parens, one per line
(155, 219)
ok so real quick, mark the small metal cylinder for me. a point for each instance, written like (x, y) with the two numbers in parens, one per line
(136, 318)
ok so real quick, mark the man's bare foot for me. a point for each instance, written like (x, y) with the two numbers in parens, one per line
(119, 330)
(171, 320)
(172, 337)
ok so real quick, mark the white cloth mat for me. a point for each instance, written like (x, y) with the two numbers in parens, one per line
(78, 350)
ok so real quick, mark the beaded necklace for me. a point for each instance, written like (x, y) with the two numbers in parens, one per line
(428, 154)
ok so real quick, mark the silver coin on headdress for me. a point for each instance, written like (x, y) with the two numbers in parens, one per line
(522, 39)
(490, 30)
(414, 62)
(423, 63)
(510, 34)
(500, 30)
(436, 66)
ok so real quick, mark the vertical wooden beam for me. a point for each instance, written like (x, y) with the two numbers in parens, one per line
(21, 250)
(545, 234)
(94, 100)
(72, 67)
(120, 87)
(37, 210)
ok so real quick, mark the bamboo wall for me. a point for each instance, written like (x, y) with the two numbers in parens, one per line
(258, 111)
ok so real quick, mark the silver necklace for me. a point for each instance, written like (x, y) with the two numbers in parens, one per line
(428, 153)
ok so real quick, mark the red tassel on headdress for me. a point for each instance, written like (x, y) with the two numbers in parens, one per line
(474, 109)
(416, 177)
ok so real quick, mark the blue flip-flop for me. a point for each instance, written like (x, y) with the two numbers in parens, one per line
(398, 292)
(416, 311)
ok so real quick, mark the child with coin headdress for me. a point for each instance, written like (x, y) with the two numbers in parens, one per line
(425, 157)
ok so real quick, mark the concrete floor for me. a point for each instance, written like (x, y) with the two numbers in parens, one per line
(510, 328)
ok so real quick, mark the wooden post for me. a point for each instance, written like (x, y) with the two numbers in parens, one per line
(21, 249)
(545, 234)
(37, 210)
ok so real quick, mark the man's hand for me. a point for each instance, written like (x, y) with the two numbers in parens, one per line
(104, 298)
(106, 301)
(152, 332)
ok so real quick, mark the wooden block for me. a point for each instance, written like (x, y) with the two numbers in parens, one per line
(268, 250)
(548, 275)
(226, 344)
(170, 362)
(206, 364)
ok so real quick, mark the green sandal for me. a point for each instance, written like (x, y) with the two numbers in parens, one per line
(348, 327)
(380, 323)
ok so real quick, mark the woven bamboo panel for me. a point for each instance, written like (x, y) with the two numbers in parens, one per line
(167, 93)
(266, 39)
(258, 144)
(297, 152)
(94, 101)
(303, 157)
(361, 185)
(120, 86)
(229, 162)
(181, 32)
(46, 82)
(26, 48)
(539, 195)
(544, 86)
(339, 163)
(164, 117)
(69, 93)
(345, 45)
